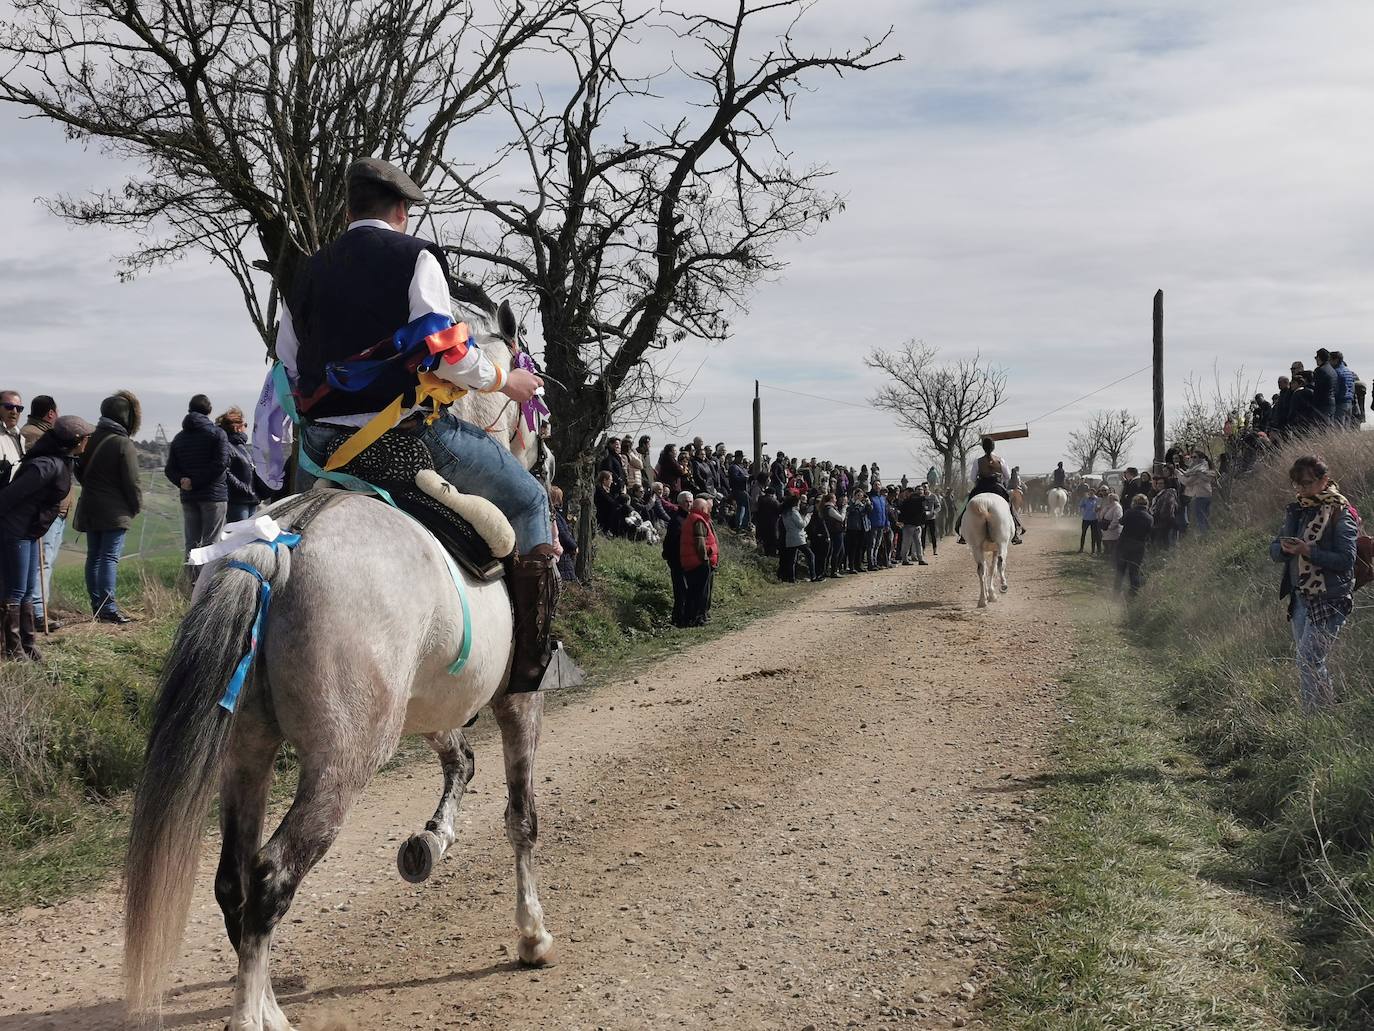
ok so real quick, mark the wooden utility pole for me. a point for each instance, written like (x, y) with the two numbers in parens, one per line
(1159, 377)
(758, 430)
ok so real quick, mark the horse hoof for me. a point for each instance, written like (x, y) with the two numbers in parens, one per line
(982, 604)
(418, 855)
(1005, 588)
(536, 952)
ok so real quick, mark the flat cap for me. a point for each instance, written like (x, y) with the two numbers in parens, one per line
(68, 429)
(384, 173)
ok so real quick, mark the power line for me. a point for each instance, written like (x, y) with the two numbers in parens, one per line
(815, 397)
(1099, 390)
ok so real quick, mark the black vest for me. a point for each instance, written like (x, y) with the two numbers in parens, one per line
(353, 294)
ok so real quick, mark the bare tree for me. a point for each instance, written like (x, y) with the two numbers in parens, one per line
(1084, 449)
(1199, 424)
(628, 231)
(244, 114)
(945, 403)
(1108, 434)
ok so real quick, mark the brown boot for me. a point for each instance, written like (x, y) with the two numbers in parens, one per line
(27, 641)
(9, 627)
(534, 587)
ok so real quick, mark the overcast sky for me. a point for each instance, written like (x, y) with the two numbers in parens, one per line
(1019, 186)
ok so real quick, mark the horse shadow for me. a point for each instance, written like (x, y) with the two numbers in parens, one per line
(902, 606)
(111, 1014)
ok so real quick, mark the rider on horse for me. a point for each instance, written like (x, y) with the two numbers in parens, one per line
(990, 476)
(376, 283)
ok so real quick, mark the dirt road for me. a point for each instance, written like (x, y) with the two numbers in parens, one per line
(797, 826)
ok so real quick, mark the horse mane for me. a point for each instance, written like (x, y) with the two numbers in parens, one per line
(495, 413)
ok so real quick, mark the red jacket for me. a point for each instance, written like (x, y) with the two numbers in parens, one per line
(687, 547)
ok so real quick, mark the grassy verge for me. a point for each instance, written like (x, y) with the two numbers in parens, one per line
(1131, 914)
(72, 732)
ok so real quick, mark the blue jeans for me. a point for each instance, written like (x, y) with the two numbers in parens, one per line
(467, 457)
(239, 511)
(52, 540)
(103, 548)
(741, 522)
(18, 559)
(1314, 641)
(1202, 513)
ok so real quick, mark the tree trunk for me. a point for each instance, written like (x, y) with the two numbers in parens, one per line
(948, 456)
(586, 540)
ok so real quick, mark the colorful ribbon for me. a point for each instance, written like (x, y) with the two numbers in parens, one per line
(230, 699)
(535, 406)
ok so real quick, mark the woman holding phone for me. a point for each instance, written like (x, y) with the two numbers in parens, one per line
(1317, 549)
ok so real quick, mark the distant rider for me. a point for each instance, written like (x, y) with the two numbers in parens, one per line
(990, 475)
(373, 284)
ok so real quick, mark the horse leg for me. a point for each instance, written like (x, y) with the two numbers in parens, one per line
(420, 852)
(982, 583)
(519, 717)
(326, 792)
(1002, 567)
(244, 785)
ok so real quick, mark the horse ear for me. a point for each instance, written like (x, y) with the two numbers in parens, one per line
(505, 322)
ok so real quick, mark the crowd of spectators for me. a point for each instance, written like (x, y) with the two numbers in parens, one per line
(1152, 511)
(819, 519)
(43, 460)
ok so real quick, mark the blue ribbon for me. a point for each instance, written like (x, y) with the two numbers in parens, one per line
(363, 372)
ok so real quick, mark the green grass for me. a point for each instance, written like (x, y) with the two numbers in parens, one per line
(1131, 913)
(72, 732)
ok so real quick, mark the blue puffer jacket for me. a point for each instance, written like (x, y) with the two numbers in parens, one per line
(1345, 391)
(1334, 553)
(877, 519)
(200, 452)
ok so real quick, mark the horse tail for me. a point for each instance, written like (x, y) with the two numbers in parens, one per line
(182, 766)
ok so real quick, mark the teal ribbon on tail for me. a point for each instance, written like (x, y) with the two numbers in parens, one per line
(230, 699)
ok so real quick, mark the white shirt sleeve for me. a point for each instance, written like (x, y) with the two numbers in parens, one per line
(429, 293)
(1006, 472)
(287, 344)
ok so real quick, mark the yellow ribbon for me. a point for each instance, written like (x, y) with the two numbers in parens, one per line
(365, 437)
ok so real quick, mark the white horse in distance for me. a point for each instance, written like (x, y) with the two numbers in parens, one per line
(1059, 501)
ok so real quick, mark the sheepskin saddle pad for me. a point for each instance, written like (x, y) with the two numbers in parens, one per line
(471, 528)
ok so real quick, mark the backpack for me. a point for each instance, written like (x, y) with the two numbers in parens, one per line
(1364, 551)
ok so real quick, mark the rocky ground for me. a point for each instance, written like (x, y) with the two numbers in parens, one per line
(805, 824)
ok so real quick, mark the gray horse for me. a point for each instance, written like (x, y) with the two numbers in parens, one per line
(363, 623)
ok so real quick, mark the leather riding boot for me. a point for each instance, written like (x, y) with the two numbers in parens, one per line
(27, 642)
(534, 588)
(9, 626)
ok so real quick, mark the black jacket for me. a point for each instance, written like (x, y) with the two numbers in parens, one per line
(29, 503)
(672, 539)
(615, 465)
(1326, 386)
(241, 476)
(200, 452)
(1136, 526)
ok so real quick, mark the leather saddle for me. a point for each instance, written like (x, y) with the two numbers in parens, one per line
(393, 462)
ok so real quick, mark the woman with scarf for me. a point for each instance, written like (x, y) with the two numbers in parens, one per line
(1317, 549)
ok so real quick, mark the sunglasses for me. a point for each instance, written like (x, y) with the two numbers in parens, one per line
(11, 407)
